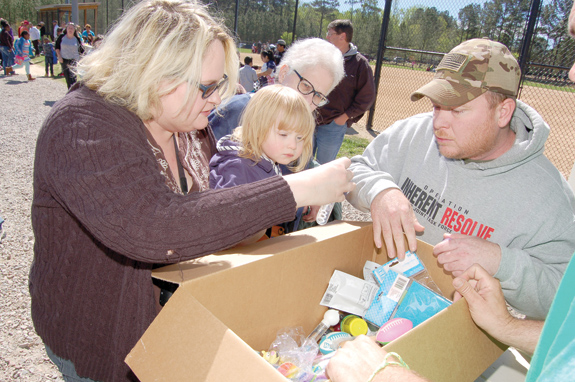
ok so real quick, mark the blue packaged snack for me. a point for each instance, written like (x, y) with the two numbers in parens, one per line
(409, 267)
(419, 303)
(390, 292)
(399, 296)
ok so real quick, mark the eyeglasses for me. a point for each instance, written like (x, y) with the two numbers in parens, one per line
(305, 87)
(208, 90)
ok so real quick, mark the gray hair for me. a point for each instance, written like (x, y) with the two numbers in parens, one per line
(313, 53)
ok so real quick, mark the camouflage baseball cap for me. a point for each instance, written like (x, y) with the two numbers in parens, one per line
(469, 70)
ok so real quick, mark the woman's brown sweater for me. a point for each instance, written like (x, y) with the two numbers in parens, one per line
(102, 215)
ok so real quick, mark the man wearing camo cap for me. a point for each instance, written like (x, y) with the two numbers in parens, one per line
(471, 179)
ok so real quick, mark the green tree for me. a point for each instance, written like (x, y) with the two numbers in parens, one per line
(553, 26)
(491, 17)
(326, 9)
(470, 21)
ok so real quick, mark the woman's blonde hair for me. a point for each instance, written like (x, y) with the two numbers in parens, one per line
(156, 42)
(275, 107)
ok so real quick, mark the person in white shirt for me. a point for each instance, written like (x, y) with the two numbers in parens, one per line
(55, 30)
(248, 75)
(35, 39)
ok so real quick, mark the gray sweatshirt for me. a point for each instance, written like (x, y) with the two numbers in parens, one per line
(519, 200)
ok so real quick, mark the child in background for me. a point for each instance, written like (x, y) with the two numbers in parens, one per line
(49, 54)
(23, 49)
(248, 75)
(276, 129)
(268, 69)
(59, 31)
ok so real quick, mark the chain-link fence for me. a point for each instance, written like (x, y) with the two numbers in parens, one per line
(546, 85)
(418, 37)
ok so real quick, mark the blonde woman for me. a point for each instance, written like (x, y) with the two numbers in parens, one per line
(276, 129)
(121, 184)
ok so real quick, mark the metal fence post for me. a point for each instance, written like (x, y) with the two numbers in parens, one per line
(379, 61)
(527, 37)
(236, 18)
(294, 21)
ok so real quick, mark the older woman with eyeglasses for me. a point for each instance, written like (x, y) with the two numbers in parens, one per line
(121, 184)
(312, 66)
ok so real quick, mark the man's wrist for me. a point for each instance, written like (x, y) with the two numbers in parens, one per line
(520, 333)
(394, 373)
(383, 371)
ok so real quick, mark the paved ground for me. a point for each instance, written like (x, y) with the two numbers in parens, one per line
(23, 108)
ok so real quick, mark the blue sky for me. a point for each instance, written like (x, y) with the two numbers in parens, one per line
(452, 6)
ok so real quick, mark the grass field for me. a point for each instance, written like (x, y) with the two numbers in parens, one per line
(567, 88)
(352, 146)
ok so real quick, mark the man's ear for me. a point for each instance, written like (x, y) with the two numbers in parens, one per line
(284, 70)
(506, 110)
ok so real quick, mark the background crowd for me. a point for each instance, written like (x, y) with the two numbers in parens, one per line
(37, 40)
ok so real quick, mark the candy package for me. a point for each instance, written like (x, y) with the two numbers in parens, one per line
(292, 355)
(399, 296)
(411, 267)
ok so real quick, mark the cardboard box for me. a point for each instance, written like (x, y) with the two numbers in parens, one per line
(229, 306)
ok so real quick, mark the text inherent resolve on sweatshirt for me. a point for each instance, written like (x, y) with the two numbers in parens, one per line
(452, 218)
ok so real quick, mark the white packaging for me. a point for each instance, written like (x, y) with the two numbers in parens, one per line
(349, 293)
(368, 274)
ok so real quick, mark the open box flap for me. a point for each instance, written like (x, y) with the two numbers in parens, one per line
(234, 257)
(430, 347)
(284, 290)
(188, 343)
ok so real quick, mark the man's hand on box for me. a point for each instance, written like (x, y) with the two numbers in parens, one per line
(485, 299)
(393, 216)
(489, 311)
(458, 252)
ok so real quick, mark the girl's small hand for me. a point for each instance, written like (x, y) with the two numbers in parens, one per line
(311, 214)
(322, 185)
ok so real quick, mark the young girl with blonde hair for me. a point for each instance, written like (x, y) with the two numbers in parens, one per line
(276, 129)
